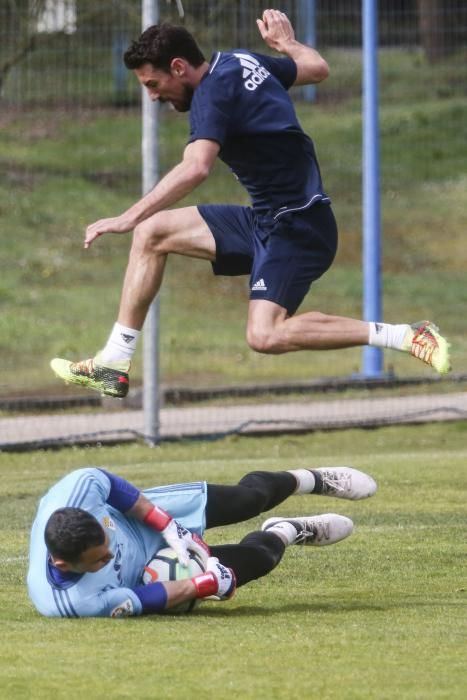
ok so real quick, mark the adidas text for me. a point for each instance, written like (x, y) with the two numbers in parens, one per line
(253, 71)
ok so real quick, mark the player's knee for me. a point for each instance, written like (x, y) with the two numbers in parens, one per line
(256, 493)
(149, 234)
(261, 340)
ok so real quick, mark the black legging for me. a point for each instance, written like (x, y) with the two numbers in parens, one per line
(259, 552)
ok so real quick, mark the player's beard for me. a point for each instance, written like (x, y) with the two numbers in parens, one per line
(183, 103)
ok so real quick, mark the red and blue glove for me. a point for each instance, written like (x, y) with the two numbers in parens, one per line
(177, 536)
(217, 583)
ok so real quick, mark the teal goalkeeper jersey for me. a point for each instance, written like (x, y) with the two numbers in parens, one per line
(107, 592)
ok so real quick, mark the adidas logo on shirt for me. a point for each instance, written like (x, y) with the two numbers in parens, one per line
(259, 286)
(253, 71)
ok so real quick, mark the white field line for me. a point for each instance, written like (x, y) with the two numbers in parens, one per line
(10, 560)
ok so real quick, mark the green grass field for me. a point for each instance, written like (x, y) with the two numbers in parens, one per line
(379, 616)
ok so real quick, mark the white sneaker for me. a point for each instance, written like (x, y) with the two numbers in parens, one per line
(343, 482)
(317, 530)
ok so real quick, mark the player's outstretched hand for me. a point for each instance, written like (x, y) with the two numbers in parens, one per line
(276, 30)
(183, 541)
(117, 224)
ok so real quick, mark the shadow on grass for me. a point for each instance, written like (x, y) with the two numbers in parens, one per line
(320, 607)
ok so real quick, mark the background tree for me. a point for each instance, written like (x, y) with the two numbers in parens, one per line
(20, 18)
(442, 27)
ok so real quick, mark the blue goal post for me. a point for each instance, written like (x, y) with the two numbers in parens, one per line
(372, 358)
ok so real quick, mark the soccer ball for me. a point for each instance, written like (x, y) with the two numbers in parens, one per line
(166, 567)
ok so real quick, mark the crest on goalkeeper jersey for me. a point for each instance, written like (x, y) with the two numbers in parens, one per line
(108, 523)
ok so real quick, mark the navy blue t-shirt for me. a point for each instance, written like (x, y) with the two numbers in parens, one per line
(242, 103)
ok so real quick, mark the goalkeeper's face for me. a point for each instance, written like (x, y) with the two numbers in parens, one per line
(91, 560)
(163, 86)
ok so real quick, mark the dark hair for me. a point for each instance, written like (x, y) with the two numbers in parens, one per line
(70, 532)
(160, 44)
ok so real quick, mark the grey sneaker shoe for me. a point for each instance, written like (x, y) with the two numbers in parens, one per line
(343, 482)
(316, 530)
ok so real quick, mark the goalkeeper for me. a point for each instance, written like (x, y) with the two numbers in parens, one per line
(94, 532)
(240, 111)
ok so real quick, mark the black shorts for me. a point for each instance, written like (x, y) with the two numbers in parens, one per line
(282, 255)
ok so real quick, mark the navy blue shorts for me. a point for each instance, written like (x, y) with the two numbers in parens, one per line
(283, 256)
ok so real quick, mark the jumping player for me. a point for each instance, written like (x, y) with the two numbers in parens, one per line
(94, 532)
(240, 110)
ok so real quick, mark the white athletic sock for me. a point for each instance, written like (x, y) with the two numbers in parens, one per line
(121, 344)
(285, 530)
(305, 480)
(387, 335)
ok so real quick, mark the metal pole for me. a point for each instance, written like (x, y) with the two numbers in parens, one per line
(150, 160)
(372, 308)
(307, 34)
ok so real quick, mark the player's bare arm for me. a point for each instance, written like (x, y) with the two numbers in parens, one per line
(198, 159)
(178, 592)
(140, 508)
(278, 33)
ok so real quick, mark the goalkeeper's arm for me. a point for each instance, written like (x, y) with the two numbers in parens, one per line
(216, 582)
(129, 500)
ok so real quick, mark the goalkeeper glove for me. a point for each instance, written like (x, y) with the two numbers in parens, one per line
(178, 537)
(217, 583)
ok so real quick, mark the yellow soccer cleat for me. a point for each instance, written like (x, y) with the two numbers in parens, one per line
(424, 342)
(110, 379)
